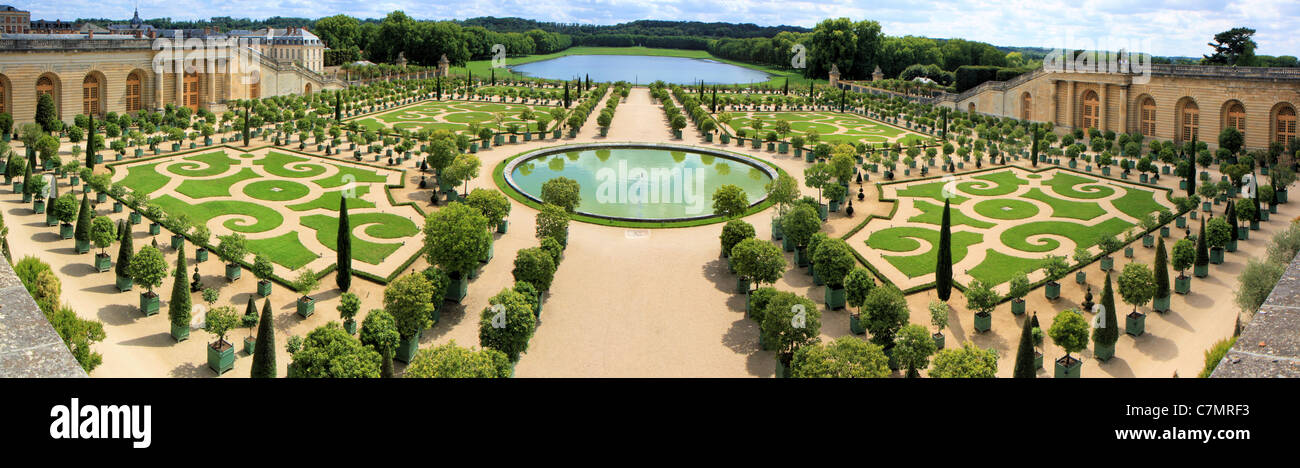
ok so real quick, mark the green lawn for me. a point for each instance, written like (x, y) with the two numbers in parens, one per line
(1085, 236)
(933, 214)
(380, 225)
(1137, 203)
(932, 190)
(1067, 208)
(1007, 209)
(276, 190)
(358, 175)
(905, 239)
(275, 164)
(208, 188)
(1003, 183)
(330, 201)
(217, 161)
(144, 178)
(998, 268)
(285, 250)
(1063, 184)
(265, 218)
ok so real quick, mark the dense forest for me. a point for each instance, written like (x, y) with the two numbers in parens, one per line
(855, 47)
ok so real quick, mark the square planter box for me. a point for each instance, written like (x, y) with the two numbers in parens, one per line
(1216, 255)
(82, 246)
(103, 262)
(1160, 304)
(503, 226)
(1068, 368)
(180, 332)
(835, 298)
(1080, 277)
(38, 206)
(1018, 307)
(200, 255)
(1201, 271)
(177, 241)
(938, 340)
(117, 207)
(1182, 284)
(1103, 352)
(742, 285)
(1231, 246)
(1243, 233)
(1107, 263)
(1135, 323)
(222, 359)
(148, 303)
(406, 349)
(233, 271)
(856, 325)
(65, 231)
(1148, 241)
(306, 306)
(457, 289)
(250, 345)
(264, 288)
(134, 218)
(983, 322)
(154, 229)
(1052, 290)
(1128, 252)
(124, 283)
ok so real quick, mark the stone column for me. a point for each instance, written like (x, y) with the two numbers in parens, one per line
(1105, 107)
(180, 88)
(158, 91)
(1056, 102)
(1070, 115)
(1123, 109)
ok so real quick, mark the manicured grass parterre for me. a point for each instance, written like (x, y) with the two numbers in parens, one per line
(907, 239)
(380, 225)
(455, 116)
(833, 127)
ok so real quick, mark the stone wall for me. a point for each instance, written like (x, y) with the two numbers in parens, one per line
(29, 346)
(1269, 346)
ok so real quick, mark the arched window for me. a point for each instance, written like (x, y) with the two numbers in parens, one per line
(133, 103)
(1285, 129)
(971, 107)
(255, 90)
(1189, 122)
(1147, 117)
(44, 85)
(307, 89)
(1091, 110)
(1026, 106)
(90, 96)
(1236, 117)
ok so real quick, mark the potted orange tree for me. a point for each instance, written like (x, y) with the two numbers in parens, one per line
(857, 285)
(1136, 286)
(1069, 331)
(232, 248)
(262, 269)
(306, 283)
(102, 233)
(148, 269)
(221, 354)
(981, 298)
(1019, 288)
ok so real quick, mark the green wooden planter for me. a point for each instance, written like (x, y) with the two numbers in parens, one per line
(306, 306)
(835, 298)
(250, 345)
(38, 206)
(350, 326)
(1201, 271)
(1128, 252)
(800, 259)
(233, 271)
(1231, 246)
(117, 207)
(149, 303)
(1243, 233)
(776, 229)
(1135, 323)
(1182, 284)
(177, 241)
(101, 197)
(856, 325)
(221, 361)
(154, 229)
(1052, 290)
(491, 251)
(200, 255)
(1216, 255)
(1018, 307)
(782, 372)
(1103, 352)
(742, 285)
(1080, 277)
(983, 322)
(1068, 369)
(1254, 225)
(65, 231)
(264, 288)
(1164, 230)
(457, 289)
(124, 283)
(103, 262)
(1148, 241)
(939, 340)
(82, 246)
(503, 226)
(406, 348)
(18, 187)
(27, 198)
(1160, 304)
(134, 218)
(180, 332)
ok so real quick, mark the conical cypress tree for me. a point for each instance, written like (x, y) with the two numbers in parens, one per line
(125, 250)
(1107, 333)
(1162, 270)
(1191, 174)
(90, 143)
(264, 350)
(1232, 220)
(566, 94)
(715, 99)
(27, 178)
(179, 309)
(82, 231)
(246, 129)
(784, 91)
(944, 132)
(251, 309)
(343, 276)
(943, 270)
(338, 106)
(1202, 255)
(1033, 156)
(1025, 368)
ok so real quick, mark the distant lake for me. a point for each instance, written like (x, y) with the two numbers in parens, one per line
(641, 69)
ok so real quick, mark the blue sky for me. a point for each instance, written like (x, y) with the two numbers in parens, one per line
(1163, 27)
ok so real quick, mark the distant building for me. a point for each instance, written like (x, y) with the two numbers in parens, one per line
(14, 21)
(52, 27)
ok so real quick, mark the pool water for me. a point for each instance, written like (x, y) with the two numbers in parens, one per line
(641, 69)
(642, 183)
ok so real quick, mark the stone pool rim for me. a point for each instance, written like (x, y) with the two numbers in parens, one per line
(507, 172)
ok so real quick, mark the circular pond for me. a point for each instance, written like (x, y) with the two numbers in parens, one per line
(641, 182)
(641, 69)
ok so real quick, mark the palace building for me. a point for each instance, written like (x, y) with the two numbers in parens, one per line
(1173, 102)
(97, 73)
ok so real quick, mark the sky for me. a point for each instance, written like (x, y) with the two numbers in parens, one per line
(1161, 27)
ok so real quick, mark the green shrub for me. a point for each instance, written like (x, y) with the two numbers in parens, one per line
(1215, 354)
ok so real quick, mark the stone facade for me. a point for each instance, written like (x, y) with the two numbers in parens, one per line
(1178, 102)
(116, 73)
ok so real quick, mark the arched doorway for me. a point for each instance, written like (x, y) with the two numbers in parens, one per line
(1026, 106)
(307, 89)
(1235, 117)
(191, 91)
(90, 96)
(47, 84)
(1091, 110)
(1285, 125)
(133, 95)
(1147, 117)
(1189, 121)
(255, 90)
(4, 93)
(970, 108)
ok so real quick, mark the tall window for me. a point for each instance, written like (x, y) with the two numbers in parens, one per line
(1147, 117)
(1237, 117)
(90, 95)
(255, 90)
(1026, 106)
(1190, 122)
(1091, 110)
(133, 92)
(44, 85)
(4, 93)
(191, 91)
(1285, 125)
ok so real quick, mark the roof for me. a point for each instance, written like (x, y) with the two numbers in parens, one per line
(68, 37)
(9, 8)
